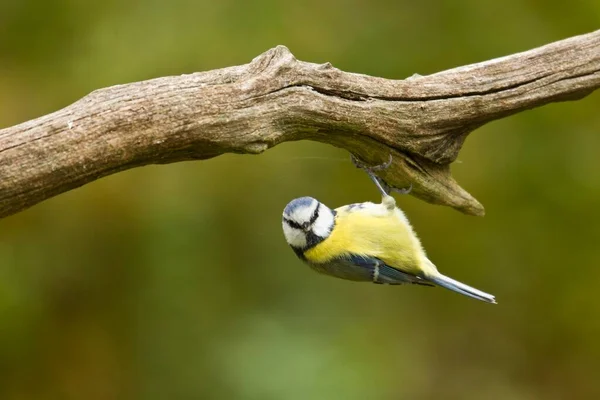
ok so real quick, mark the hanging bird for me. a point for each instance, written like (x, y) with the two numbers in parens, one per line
(364, 242)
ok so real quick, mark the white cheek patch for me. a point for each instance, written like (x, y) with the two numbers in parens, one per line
(324, 222)
(303, 214)
(294, 237)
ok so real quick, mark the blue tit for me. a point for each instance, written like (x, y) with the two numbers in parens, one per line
(364, 242)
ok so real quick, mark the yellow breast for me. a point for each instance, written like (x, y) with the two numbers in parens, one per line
(375, 233)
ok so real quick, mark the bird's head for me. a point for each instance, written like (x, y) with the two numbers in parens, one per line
(306, 222)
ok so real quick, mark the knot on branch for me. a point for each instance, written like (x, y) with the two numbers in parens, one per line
(276, 57)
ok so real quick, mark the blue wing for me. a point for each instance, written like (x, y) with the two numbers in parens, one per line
(360, 268)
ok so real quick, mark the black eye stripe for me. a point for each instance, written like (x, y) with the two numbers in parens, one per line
(293, 224)
(315, 214)
(312, 220)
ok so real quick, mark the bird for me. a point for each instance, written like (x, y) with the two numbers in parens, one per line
(371, 242)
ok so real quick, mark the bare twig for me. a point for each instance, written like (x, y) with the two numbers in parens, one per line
(422, 121)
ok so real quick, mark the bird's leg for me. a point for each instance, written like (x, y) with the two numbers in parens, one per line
(383, 187)
(370, 170)
(386, 200)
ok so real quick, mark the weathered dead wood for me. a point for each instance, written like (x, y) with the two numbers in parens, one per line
(422, 121)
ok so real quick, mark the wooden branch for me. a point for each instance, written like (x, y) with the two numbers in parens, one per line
(421, 121)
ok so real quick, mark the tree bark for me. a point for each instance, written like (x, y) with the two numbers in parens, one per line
(421, 121)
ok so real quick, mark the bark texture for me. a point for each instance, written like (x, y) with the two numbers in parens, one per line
(422, 121)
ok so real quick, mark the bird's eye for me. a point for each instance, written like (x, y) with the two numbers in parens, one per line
(292, 224)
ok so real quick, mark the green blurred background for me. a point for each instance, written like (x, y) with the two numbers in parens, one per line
(175, 282)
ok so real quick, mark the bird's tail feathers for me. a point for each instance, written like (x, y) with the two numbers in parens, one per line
(456, 286)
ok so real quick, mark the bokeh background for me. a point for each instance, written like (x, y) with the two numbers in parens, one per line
(175, 282)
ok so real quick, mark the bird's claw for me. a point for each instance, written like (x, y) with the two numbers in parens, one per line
(383, 187)
(358, 163)
(405, 190)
